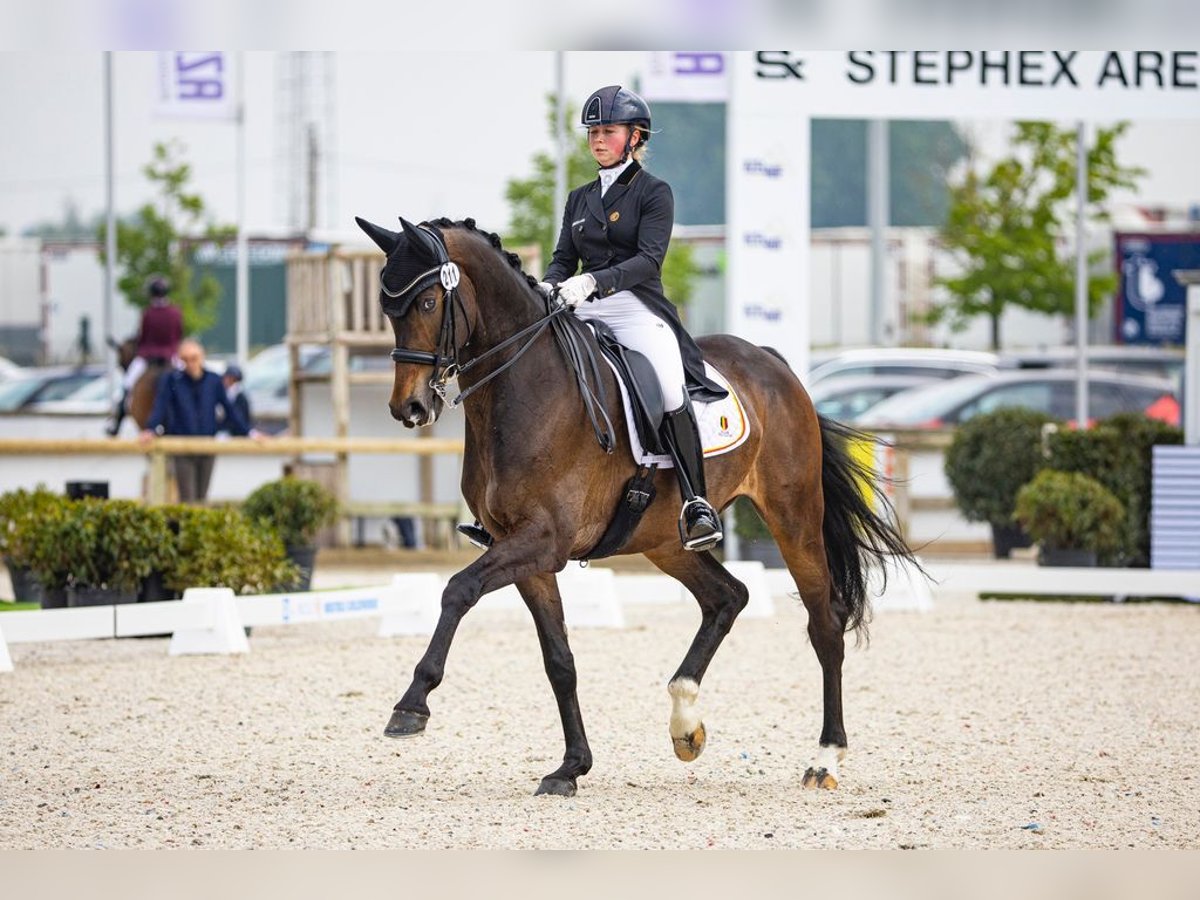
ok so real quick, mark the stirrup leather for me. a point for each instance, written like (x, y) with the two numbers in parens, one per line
(695, 513)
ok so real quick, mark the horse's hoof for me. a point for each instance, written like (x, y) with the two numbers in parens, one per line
(689, 747)
(557, 787)
(820, 779)
(405, 723)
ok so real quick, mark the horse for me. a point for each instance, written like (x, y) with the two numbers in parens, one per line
(140, 402)
(546, 496)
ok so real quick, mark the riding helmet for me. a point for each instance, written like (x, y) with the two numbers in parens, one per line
(614, 105)
(158, 286)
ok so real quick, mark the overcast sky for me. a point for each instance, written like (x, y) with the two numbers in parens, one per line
(418, 134)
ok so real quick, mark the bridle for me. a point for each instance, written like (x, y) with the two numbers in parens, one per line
(445, 362)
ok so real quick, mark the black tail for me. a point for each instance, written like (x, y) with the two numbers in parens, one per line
(856, 536)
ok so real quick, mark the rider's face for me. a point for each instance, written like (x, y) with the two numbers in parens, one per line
(607, 143)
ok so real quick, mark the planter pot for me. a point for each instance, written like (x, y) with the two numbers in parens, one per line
(304, 558)
(25, 585)
(1007, 538)
(1059, 556)
(765, 552)
(153, 590)
(54, 598)
(86, 595)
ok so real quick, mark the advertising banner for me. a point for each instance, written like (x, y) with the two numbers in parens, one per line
(195, 84)
(1151, 304)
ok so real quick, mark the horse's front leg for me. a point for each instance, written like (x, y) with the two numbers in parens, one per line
(545, 604)
(518, 556)
(721, 598)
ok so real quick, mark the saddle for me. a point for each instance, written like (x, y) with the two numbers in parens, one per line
(645, 394)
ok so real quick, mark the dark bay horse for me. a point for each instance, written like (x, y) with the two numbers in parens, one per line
(140, 402)
(540, 483)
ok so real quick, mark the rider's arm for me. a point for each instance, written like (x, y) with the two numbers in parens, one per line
(656, 218)
(565, 261)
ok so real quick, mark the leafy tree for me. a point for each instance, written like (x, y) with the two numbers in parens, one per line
(1006, 227)
(535, 221)
(156, 240)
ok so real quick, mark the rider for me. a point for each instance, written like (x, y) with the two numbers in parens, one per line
(618, 227)
(158, 342)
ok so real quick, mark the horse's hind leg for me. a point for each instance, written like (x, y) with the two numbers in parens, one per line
(721, 598)
(545, 604)
(797, 531)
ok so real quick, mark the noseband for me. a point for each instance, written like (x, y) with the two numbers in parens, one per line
(445, 361)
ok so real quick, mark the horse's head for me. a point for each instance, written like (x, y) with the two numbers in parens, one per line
(419, 295)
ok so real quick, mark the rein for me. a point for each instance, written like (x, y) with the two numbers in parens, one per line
(446, 365)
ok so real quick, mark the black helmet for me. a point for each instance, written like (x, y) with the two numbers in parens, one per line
(614, 105)
(158, 286)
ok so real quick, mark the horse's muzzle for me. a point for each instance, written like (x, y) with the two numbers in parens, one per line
(413, 413)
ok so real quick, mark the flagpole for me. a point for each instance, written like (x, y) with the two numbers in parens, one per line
(110, 225)
(243, 263)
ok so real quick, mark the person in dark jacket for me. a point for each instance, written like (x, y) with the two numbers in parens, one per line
(608, 265)
(232, 379)
(158, 340)
(186, 405)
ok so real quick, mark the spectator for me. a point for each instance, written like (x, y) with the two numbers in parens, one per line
(232, 379)
(186, 405)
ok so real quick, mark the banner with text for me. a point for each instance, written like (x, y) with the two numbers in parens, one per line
(686, 76)
(194, 84)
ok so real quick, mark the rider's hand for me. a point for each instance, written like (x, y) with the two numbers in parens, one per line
(576, 289)
(545, 288)
(146, 437)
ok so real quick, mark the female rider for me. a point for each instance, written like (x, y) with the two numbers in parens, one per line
(618, 227)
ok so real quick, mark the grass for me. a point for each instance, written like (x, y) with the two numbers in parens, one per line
(15, 605)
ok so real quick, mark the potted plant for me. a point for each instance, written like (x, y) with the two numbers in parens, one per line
(297, 509)
(754, 539)
(222, 548)
(1072, 516)
(21, 512)
(116, 545)
(989, 459)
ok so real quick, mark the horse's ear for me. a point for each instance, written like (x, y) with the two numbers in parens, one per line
(384, 239)
(419, 240)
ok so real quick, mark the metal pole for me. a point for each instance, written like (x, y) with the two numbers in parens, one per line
(1081, 277)
(243, 262)
(110, 226)
(560, 136)
(878, 214)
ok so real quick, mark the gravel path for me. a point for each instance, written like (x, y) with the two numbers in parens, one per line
(975, 725)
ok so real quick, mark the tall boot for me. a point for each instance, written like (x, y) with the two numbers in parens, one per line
(113, 424)
(699, 524)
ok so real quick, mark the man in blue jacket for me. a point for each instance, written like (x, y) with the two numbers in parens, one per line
(186, 405)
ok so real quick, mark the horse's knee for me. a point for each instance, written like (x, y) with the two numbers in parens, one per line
(462, 592)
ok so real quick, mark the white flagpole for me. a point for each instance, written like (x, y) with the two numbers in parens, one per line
(110, 226)
(243, 262)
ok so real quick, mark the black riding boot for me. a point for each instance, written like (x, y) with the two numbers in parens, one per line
(699, 524)
(476, 534)
(113, 424)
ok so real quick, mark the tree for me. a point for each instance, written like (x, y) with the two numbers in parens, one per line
(535, 221)
(1007, 228)
(156, 240)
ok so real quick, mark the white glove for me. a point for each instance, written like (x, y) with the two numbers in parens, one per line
(576, 289)
(545, 287)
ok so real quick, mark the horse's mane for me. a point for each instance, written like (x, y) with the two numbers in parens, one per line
(511, 258)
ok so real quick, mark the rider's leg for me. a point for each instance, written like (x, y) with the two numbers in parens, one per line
(136, 367)
(639, 329)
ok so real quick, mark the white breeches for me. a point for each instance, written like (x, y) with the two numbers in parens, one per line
(133, 373)
(639, 329)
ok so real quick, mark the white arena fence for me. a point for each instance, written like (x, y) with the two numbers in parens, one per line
(213, 620)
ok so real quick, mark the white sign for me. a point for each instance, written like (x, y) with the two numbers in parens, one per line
(947, 84)
(767, 233)
(687, 76)
(195, 84)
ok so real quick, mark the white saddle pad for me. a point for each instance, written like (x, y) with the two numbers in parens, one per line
(723, 423)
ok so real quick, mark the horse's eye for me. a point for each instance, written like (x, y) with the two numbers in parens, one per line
(428, 304)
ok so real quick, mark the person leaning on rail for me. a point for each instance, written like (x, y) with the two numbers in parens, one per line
(186, 405)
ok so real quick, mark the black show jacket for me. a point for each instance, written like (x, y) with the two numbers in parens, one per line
(621, 240)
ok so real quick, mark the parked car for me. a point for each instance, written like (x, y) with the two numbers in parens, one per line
(1160, 362)
(848, 398)
(43, 384)
(1052, 391)
(930, 362)
(9, 369)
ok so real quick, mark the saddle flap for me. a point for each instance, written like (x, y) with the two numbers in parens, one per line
(642, 383)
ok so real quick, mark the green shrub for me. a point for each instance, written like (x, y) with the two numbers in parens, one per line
(1118, 453)
(21, 512)
(296, 508)
(1070, 511)
(223, 548)
(990, 458)
(747, 523)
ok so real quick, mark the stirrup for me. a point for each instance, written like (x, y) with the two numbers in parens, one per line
(701, 510)
(476, 534)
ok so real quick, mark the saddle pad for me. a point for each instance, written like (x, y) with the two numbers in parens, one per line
(723, 424)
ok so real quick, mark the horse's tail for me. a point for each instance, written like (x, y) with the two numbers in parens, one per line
(856, 535)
